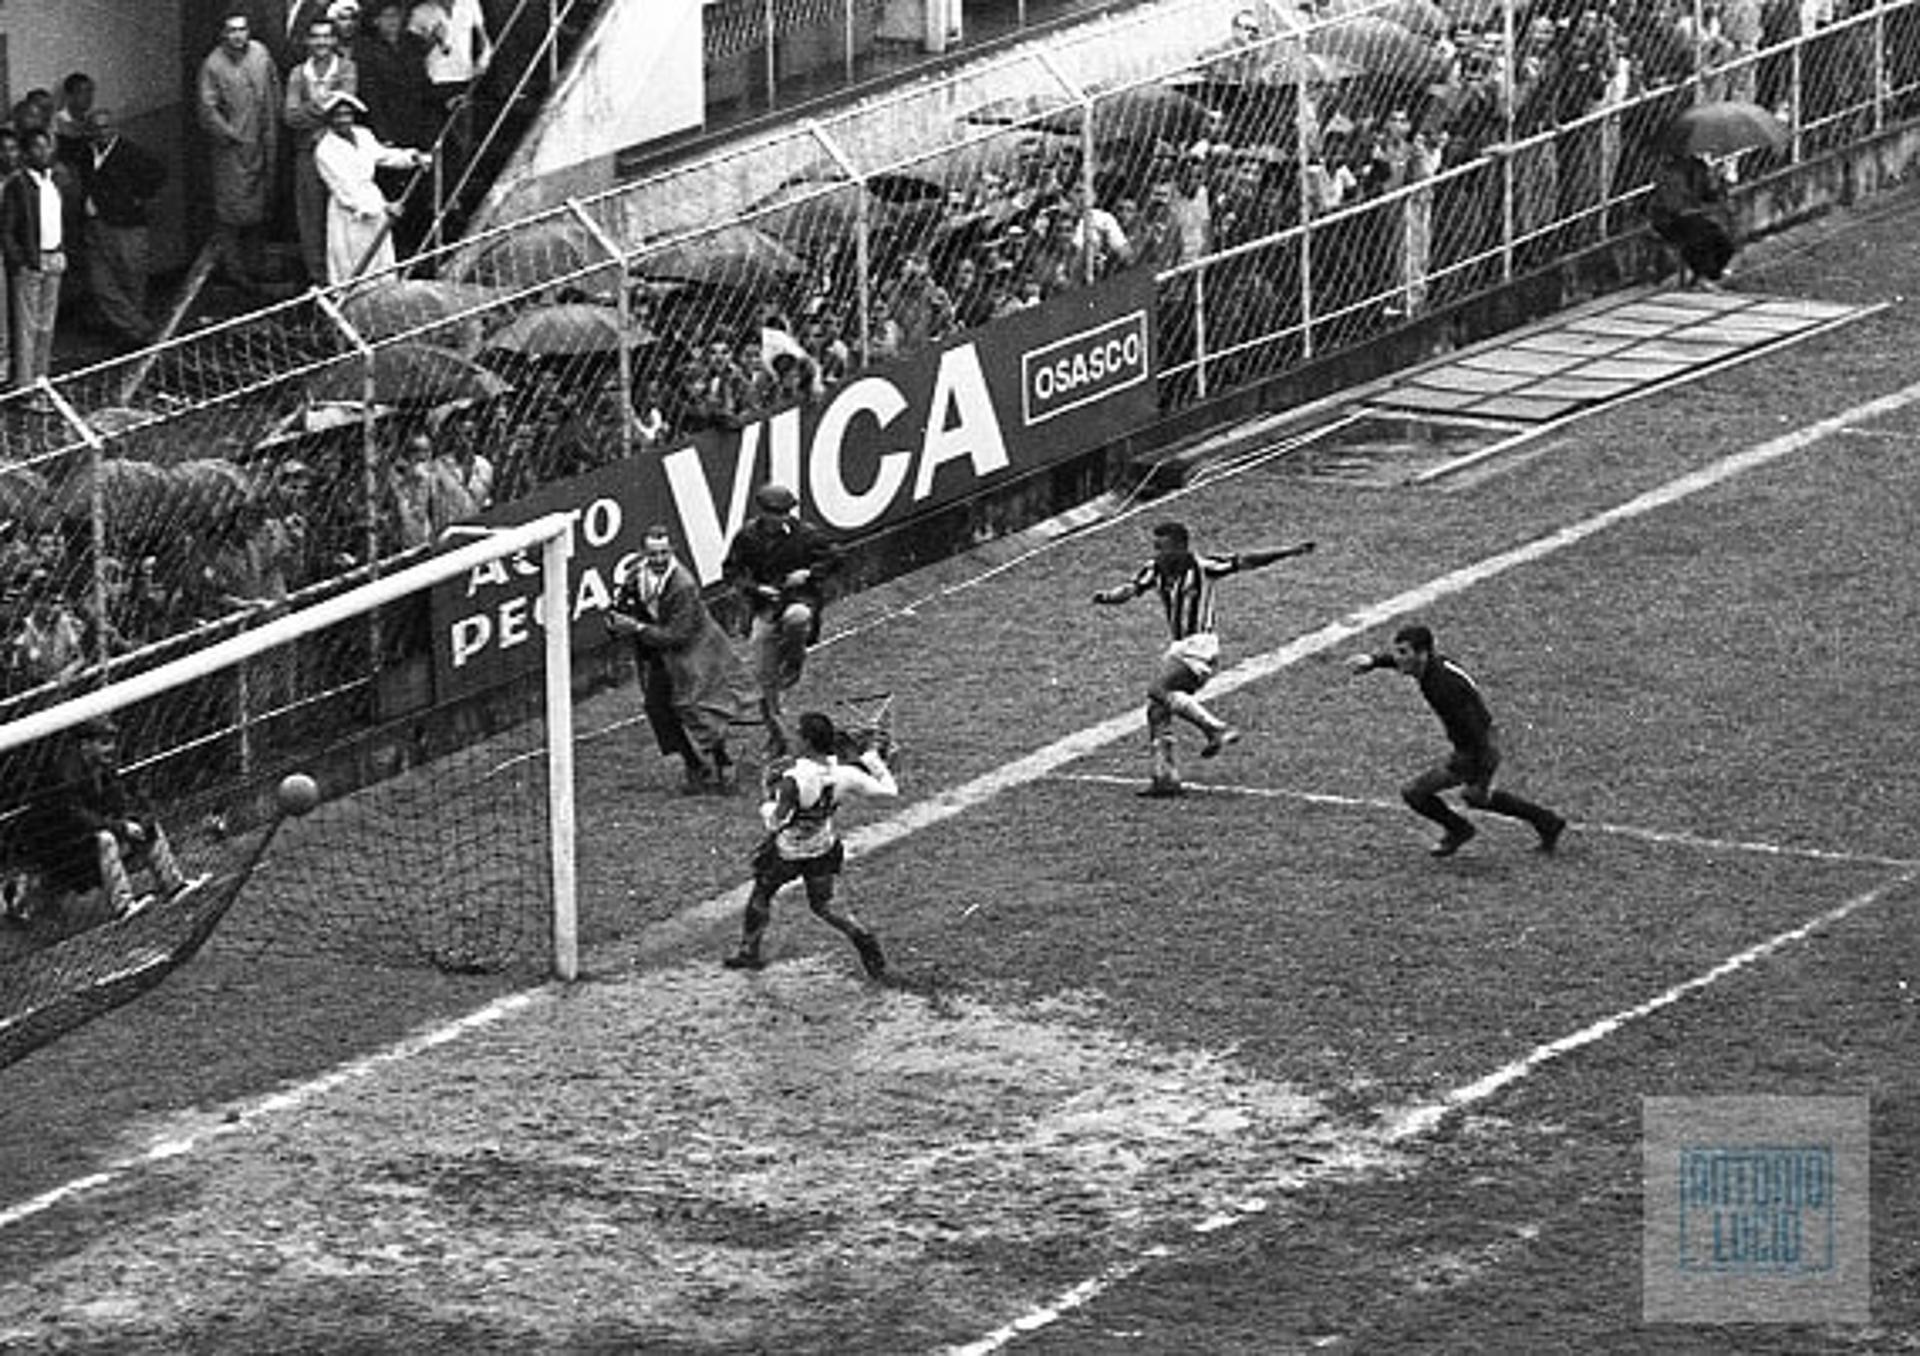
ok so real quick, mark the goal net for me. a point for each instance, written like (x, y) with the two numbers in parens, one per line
(138, 818)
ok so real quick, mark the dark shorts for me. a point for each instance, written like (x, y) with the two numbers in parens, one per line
(1472, 767)
(771, 870)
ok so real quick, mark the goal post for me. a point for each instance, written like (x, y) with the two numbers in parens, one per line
(434, 776)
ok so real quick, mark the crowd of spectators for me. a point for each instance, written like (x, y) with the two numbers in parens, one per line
(965, 240)
(77, 195)
(1286, 142)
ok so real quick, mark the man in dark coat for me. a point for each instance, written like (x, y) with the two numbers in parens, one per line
(118, 182)
(394, 87)
(90, 830)
(780, 565)
(1689, 211)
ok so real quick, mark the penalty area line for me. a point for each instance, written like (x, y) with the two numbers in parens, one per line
(1396, 1127)
(1658, 837)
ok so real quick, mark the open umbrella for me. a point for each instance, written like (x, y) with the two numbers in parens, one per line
(407, 373)
(1379, 47)
(563, 331)
(1219, 82)
(1423, 18)
(739, 257)
(135, 495)
(206, 488)
(1143, 114)
(540, 253)
(396, 306)
(1726, 127)
(810, 216)
(24, 498)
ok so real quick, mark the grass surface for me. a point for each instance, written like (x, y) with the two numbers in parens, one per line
(1145, 1049)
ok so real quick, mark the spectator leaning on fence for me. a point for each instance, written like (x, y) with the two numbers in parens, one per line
(359, 218)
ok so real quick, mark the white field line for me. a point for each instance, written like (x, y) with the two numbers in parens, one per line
(1399, 1126)
(239, 1118)
(1408, 1123)
(1042, 763)
(1659, 837)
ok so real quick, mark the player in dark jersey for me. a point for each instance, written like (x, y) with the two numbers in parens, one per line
(803, 843)
(1476, 748)
(1185, 582)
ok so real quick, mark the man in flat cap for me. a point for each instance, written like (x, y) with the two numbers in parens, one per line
(780, 565)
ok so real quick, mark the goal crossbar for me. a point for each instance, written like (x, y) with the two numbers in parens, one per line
(552, 534)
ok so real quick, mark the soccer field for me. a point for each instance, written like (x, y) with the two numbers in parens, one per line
(1242, 1072)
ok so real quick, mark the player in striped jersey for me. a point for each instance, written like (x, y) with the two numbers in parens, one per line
(1186, 582)
(1456, 699)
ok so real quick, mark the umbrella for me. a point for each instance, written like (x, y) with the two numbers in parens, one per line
(113, 420)
(568, 330)
(1023, 110)
(1723, 128)
(407, 373)
(736, 256)
(396, 306)
(529, 256)
(811, 215)
(133, 492)
(1221, 81)
(1379, 47)
(206, 488)
(1140, 113)
(1423, 18)
(23, 497)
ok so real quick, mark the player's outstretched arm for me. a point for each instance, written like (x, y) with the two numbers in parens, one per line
(1253, 560)
(1119, 593)
(1367, 663)
(870, 776)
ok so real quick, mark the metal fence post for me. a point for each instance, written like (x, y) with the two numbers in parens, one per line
(1506, 158)
(773, 59)
(623, 305)
(862, 236)
(96, 516)
(1200, 331)
(1303, 154)
(1880, 81)
(369, 458)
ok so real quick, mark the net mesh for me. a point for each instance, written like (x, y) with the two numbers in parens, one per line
(429, 846)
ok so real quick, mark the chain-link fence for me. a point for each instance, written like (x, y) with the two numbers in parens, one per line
(1295, 186)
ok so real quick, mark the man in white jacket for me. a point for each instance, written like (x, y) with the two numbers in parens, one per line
(803, 842)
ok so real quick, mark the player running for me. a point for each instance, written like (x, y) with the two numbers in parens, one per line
(1185, 582)
(804, 844)
(1476, 749)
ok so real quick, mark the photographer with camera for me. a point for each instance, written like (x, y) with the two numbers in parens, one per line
(780, 566)
(689, 678)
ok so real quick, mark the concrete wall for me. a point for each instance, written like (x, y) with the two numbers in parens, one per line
(130, 49)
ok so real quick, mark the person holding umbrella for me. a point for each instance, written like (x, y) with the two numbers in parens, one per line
(1689, 207)
(1689, 211)
(347, 155)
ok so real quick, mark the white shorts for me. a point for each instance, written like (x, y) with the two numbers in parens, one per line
(1200, 652)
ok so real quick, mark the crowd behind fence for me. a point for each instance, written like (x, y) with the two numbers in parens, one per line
(1296, 183)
